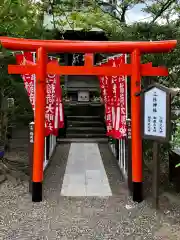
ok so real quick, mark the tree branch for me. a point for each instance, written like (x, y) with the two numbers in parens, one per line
(99, 3)
(52, 9)
(124, 9)
(164, 7)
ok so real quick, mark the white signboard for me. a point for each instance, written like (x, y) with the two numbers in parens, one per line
(155, 113)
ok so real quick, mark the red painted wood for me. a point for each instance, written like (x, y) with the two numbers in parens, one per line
(125, 69)
(87, 46)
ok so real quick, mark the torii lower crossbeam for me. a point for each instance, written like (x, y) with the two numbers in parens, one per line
(125, 69)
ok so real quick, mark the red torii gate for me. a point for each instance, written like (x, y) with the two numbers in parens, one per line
(41, 68)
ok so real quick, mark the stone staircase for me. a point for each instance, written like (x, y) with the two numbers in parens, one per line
(86, 125)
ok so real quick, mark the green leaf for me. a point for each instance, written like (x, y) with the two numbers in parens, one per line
(178, 165)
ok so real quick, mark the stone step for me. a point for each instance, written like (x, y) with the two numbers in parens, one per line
(86, 130)
(84, 140)
(78, 104)
(74, 123)
(84, 110)
(82, 135)
(83, 118)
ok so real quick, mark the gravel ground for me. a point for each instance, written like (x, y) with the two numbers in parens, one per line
(14, 165)
(107, 218)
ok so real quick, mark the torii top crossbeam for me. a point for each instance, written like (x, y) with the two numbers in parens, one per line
(88, 46)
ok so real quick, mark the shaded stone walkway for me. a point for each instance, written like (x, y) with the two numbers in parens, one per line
(82, 218)
(85, 174)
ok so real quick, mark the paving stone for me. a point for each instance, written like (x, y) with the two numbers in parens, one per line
(74, 190)
(74, 179)
(99, 190)
(77, 173)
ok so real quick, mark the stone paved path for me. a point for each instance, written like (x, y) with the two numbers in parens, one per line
(85, 174)
(82, 218)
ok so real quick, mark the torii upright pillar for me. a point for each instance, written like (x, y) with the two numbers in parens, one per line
(136, 127)
(39, 140)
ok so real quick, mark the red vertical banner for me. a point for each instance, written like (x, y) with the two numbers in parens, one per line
(121, 108)
(113, 95)
(59, 110)
(50, 102)
(54, 114)
(29, 79)
(115, 104)
(106, 92)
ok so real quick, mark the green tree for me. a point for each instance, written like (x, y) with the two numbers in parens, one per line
(18, 18)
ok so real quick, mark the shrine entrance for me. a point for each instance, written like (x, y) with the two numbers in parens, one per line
(135, 70)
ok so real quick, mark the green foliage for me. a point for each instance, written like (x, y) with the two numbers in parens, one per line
(17, 17)
(64, 91)
(176, 136)
(175, 142)
(11, 86)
